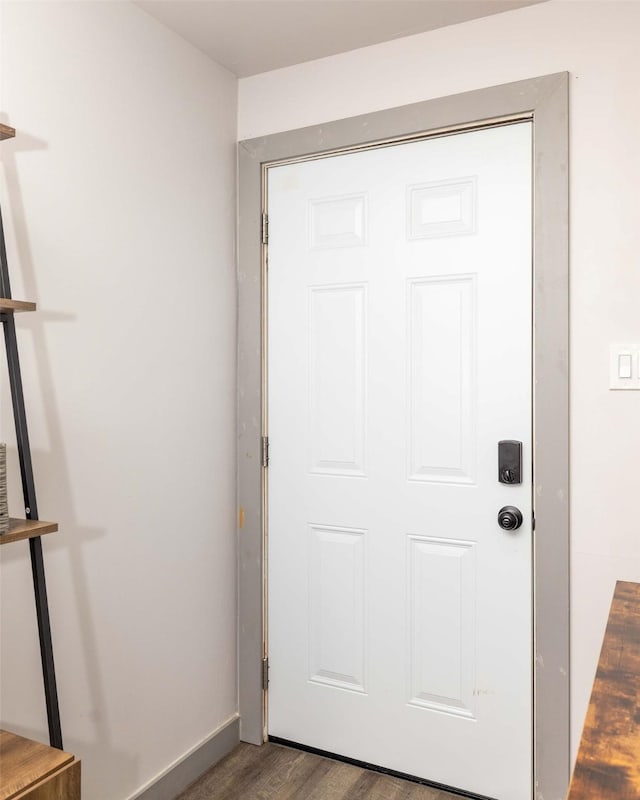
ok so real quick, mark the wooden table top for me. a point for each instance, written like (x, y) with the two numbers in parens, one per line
(608, 765)
(23, 763)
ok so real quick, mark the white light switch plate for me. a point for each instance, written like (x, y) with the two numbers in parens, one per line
(624, 366)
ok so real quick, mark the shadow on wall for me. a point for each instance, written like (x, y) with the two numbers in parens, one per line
(53, 466)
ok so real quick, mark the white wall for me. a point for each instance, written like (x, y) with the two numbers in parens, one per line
(118, 196)
(598, 43)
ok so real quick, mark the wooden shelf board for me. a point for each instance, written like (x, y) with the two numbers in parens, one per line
(7, 132)
(14, 306)
(27, 529)
(23, 763)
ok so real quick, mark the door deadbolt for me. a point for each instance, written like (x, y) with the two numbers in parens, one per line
(510, 461)
(509, 518)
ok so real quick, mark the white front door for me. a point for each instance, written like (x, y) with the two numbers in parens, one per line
(399, 355)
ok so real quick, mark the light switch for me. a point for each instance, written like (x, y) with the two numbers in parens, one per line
(624, 364)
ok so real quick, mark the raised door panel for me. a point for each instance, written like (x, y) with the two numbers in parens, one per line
(337, 372)
(442, 366)
(442, 614)
(337, 607)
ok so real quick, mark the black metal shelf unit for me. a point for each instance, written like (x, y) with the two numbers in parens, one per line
(29, 491)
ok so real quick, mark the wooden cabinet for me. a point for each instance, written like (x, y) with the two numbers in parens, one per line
(32, 771)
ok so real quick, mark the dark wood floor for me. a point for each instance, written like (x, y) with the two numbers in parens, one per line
(272, 772)
(608, 763)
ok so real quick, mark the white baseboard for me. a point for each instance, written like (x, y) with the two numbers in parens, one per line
(189, 767)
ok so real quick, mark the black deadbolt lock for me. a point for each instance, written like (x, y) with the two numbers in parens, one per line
(509, 518)
(509, 461)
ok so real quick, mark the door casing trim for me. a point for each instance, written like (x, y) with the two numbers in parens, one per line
(545, 101)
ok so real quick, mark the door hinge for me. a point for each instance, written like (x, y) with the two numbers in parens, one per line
(265, 674)
(265, 451)
(264, 229)
(533, 521)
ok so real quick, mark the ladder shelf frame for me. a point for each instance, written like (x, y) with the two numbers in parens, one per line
(33, 532)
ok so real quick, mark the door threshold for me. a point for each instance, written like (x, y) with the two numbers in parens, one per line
(375, 768)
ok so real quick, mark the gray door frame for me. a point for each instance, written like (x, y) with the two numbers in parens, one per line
(545, 101)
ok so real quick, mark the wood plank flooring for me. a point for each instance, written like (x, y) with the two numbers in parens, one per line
(608, 764)
(273, 772)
